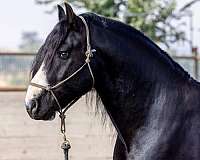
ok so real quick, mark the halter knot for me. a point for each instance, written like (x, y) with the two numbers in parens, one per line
(87, 60)
(89, 54)
(48, 88)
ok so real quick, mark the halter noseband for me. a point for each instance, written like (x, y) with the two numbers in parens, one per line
(89, 54)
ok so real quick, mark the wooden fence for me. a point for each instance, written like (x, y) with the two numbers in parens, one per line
(195, 59)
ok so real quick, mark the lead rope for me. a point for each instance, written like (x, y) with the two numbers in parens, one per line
(66, 144)
(89, 54)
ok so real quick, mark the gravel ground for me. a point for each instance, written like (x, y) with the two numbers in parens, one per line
(22, 138)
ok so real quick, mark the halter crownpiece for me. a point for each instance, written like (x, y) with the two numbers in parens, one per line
(89, 54)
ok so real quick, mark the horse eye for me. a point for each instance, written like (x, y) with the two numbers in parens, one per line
(64, 55)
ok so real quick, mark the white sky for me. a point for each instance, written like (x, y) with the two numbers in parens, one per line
(25, 15)
(22, 15)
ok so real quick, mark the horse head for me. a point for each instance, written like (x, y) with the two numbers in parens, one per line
(61, 71)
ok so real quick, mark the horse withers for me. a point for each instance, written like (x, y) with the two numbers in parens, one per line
(152, 102)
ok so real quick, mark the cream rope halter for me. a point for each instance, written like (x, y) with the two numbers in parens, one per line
(89, 54)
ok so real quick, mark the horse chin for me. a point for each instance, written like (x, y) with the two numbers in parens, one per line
(46, 116)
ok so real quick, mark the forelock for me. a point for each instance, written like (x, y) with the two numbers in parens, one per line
(51, 44)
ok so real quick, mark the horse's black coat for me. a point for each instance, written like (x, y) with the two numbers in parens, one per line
(153, 103)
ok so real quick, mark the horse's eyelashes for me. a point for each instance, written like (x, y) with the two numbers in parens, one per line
(64, 54)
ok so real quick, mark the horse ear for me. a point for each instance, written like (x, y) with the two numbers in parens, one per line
(61, 12)
(69, 13)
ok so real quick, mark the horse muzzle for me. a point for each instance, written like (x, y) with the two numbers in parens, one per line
(32, 107)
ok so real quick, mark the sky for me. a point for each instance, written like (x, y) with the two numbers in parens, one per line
(19, 16)
(24, 15)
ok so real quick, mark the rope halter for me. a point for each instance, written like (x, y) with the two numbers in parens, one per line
(89, 54)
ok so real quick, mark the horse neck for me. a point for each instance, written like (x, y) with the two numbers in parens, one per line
(126, 93)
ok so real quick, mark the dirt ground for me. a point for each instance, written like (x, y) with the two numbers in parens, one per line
(22, 138)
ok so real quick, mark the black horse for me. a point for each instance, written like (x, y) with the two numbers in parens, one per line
(152, 102)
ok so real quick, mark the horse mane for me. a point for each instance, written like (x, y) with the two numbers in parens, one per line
(93, 101)
(92, 98)
(132, 33)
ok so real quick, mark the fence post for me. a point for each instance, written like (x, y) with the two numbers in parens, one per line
(196, 67)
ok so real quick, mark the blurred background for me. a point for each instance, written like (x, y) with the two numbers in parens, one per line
(173, 24)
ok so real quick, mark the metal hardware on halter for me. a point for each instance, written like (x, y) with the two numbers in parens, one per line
(66, 146)
(89, 54)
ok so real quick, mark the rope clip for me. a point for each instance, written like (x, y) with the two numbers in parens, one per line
(62, 127)
(66, 145)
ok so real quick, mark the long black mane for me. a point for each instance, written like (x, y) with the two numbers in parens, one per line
(130, 33)
(134, 34)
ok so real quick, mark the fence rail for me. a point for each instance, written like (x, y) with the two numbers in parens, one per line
(14, 70)
(18, 64)
(12, 89)
(17, 54)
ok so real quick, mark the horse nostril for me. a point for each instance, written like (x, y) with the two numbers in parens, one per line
(31, 106)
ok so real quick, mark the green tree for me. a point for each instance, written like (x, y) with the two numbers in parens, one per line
(154, 17)
(30, 42)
